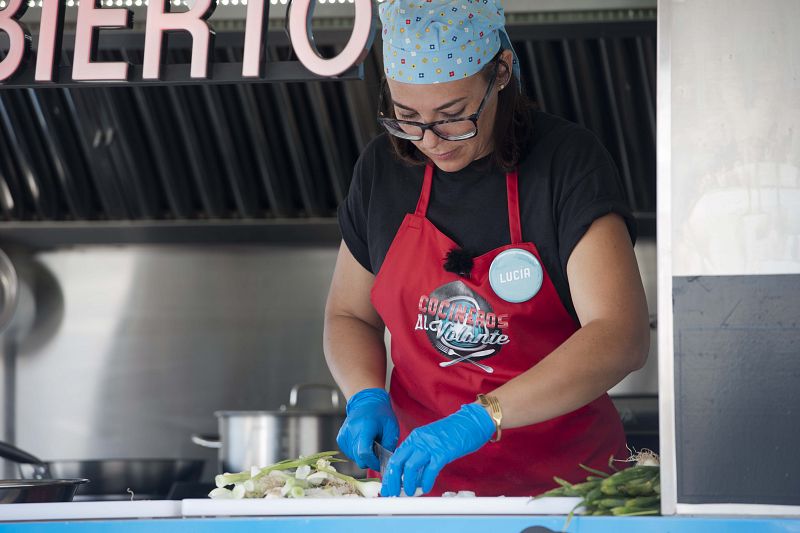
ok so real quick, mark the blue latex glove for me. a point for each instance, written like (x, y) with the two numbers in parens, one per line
(369, 418)
(429, 448)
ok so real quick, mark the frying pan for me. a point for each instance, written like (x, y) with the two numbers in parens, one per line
(34, 490)
(38, 490)
(111, 478)
(148, 479)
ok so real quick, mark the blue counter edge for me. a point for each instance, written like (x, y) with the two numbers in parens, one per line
(413, 524)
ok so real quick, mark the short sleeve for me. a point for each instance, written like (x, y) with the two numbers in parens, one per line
(591, 188)
(352, 214)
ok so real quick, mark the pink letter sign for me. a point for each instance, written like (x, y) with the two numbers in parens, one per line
(50, 27)
(300, 12)
(91, 17)
(159, 20)
(255, 21)
(18, 37)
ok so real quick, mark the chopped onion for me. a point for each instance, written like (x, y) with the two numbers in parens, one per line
(459, 494)
(220, 493)
(302, 472)
(317, 478)
(368, 489)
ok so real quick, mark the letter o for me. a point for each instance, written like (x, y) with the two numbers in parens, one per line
(300, 13)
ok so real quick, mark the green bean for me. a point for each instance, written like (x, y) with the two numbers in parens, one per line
(593, 495)
(585, 487)
(594, 471)
(638, 489)
(610, 503)
(609, 489)
(627, 511)
(643, 501)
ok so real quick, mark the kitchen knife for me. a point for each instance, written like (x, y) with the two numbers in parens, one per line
(382, 454)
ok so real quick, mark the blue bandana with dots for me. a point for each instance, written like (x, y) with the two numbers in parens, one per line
(435, 41)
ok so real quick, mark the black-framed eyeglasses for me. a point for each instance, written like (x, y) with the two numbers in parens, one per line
(451, 129)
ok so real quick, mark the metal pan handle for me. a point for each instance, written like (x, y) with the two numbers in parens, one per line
(40, 469)
(295, 393)
(206, 441)
(14, 454)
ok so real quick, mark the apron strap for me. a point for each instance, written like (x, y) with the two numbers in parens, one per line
(425, 194)
(514, 223)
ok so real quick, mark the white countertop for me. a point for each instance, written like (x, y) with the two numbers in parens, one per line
(285, 507)
(90, 510)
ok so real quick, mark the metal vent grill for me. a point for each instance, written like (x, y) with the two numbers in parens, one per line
(284, 151)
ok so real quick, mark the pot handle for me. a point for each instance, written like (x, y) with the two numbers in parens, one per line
(14, 454)
(39, 469)
(207, 442)
(295, 393)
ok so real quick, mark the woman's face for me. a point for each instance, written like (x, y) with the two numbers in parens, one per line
(440, 101)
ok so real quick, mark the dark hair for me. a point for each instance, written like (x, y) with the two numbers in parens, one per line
(512, 127)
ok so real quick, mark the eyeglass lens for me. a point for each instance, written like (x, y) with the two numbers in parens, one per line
(453, 131)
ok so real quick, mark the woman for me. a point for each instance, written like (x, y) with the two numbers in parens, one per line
(495, 245)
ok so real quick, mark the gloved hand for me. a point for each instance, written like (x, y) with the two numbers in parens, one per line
(369, 418)
(421, 457)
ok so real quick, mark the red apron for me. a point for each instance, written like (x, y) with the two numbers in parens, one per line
(436, 317)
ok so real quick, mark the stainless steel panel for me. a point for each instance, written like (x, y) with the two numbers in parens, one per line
(666, 368)
(736, 151)
(153, 340)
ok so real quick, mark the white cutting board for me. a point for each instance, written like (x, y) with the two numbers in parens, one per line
(90, 510)
(285, 507)
(378, 506)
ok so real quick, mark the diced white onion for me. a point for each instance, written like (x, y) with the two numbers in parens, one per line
(220, 493)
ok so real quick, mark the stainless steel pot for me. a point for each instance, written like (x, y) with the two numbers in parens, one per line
(260, 438)
(9, 285)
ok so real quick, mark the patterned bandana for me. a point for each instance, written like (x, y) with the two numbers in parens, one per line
(434, 41)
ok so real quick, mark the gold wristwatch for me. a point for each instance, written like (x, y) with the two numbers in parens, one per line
(491, 403)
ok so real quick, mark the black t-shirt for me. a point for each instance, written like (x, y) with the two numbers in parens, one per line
(567, 180)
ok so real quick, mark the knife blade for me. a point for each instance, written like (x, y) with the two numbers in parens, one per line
(382, 454)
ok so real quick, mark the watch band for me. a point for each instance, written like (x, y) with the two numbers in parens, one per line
(492, 403)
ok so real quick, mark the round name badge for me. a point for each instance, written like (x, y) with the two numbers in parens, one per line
(516, 275)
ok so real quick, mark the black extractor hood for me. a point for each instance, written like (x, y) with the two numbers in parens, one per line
(270, 162)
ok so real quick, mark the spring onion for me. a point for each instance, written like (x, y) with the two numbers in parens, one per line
(311, 476)
(633, 491)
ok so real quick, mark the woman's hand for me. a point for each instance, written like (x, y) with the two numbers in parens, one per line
(369, 418)
(429, 448)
